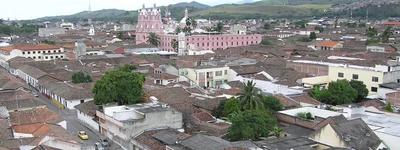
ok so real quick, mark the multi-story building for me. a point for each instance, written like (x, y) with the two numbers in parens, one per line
(371, 76)
(208, 75)
(150, 21)
(38, 52)
(121, 123)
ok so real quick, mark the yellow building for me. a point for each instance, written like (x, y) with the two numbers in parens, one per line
(371, 76)
(208, 76)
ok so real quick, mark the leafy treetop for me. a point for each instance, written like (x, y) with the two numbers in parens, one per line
(119, 85)
(80, 77)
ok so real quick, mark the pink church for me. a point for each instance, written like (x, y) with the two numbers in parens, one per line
(150, 21)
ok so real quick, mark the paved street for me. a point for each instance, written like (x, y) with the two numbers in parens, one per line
(73, 125)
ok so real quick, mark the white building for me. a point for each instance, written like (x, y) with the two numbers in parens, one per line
(38, 52)
(121, 123)
(86, 113)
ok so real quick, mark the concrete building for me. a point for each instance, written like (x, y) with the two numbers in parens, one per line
(325, 45)
(371, 76)
(86, 113)
(208, 75)
(150, 21)
(121, 123)
(46, 32)
(38, 52)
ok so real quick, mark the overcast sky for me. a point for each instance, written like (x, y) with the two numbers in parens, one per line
(30, 9)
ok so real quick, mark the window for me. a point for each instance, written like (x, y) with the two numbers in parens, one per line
(217, 83)
(23, 53)
(398, 80)
(122, 130)
(355, 76)
(44, 52)
(39, 57)
(29, 52)
(374, 89)
(51, 57)
(375, 79)
(46, 57)
(33, 52)
(59, 51)
(218, 73)
(82, 101)
(226, 72)
(38, 52)
(48, 51)
(340, 75)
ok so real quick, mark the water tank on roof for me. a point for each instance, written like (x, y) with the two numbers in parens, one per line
(153, 99)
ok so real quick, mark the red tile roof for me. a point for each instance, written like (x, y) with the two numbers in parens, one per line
(325, 43)
(27, 47)
(391, 23)
(304, 98)
(286, 101)
(37, 115)
(203, 117)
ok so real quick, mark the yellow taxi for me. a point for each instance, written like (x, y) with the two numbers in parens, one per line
(83, 135)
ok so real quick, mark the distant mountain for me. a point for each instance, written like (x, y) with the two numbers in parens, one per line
(246, 1)
(191, 4)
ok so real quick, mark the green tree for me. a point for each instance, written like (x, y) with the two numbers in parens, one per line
(361, 89)
(249, 97)
(265, 42)
(361, 25)
(1, 21)
(187, 30)
(80, 77)
(218, 112)
(315, 92)
(121, 35)
(48, 42)
(251, 124)
(372, 41)
(313, 35)
(177, 30)
(119, 85)
(351, 25)
(231, 105)
(193, 22)
(271, 103)
(387, 34)
(219, 27)
(388, 107)
(371, 31)
(301, 23)
(304, 39)
(277, 130)
(153, 38)
(267, 26)
(174, 44)
(338, 92)
(320, 29)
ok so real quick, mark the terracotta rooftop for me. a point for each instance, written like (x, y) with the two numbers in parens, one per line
(203, 116)
(325, 43)
(27, 47)
(151, 143)
(286, 101)
(37, 115)
(304, 98)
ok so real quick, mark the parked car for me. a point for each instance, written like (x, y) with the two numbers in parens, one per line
(83, 135)
(104, 141)
(98, 146)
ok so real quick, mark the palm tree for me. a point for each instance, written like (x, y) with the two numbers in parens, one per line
(249, 97)
(387, 34)
(153, 38)
(177, 30)
(174, 44)
(194, 23)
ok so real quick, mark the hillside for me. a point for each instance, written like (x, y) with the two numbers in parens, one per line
(247, 11)
(191, 4)
(258, 10)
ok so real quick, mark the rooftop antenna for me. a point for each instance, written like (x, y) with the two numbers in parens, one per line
(90, 14)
